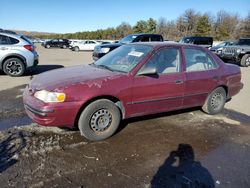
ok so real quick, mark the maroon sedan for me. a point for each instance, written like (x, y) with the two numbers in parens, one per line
(133, 80)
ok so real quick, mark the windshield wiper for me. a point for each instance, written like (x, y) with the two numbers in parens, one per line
(105, 67)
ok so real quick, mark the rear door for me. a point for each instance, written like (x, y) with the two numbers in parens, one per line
(5, 46)
(202, 76)
(161, 92)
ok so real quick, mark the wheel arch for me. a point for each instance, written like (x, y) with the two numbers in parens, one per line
(115, 100)
(13, 56)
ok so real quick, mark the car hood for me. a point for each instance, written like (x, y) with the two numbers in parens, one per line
(64, 77)
(113, 45)
(215, 47)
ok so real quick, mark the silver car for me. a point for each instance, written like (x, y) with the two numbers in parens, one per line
(17, 54)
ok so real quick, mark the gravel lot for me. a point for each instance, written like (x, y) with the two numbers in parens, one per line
(183, 148)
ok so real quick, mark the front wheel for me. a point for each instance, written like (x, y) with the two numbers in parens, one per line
(47, 46)
(215, 101)
(64, 46)
(245, 61)
(99, 120)
(76, 49)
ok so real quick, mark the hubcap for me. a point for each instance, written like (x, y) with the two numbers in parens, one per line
(248, 61)
(101, 120)
(14, 67)
(217, 101)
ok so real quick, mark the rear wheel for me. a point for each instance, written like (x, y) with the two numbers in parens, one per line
(99, 120)
(47, 46)
(64, 46)
(245, 61)
(215, 101)
(14, 67)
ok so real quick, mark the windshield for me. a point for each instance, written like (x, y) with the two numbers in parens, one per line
(186, 40)
(128, 39)
(124, 58)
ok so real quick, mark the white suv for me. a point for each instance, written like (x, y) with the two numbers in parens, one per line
(17, 53)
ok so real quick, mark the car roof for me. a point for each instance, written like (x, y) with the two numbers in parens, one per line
(10, 34)
(165, 44)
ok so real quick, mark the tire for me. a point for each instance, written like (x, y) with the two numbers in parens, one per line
(47, 46)
(215, 101)
(76, 49)
(99, 120)
(245, 60)
(64, 46)
(14, 67)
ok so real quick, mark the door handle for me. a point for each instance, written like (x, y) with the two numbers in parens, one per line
(178, 81)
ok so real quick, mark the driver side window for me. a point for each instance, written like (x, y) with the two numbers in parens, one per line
(166, 60)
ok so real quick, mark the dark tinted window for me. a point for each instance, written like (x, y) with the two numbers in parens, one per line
(143, 39)
(156, 38)
(244, 42)
(13, 41)
(4, 39)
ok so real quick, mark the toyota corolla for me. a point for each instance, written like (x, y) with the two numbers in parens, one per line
(133, 80)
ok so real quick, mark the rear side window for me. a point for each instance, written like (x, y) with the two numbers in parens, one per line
(198, 60)
(4, 40)
(156, 38)
(13, 40)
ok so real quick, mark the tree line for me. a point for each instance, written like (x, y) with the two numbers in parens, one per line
(222, 26)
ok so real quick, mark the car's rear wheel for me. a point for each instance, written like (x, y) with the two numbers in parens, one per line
(245, 61)
(99, 120)
(64, 46)
(76, 48)
(215, 101)
(47, 46)
(14, 67)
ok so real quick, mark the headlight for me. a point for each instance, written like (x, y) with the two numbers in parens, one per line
(104, 50)
(238, 51)
(47, 96)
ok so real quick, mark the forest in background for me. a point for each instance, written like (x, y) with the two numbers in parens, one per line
(222, 26)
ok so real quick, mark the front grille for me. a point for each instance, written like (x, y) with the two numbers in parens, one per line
(230, 50)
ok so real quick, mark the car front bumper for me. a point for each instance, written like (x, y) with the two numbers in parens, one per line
(50, 114)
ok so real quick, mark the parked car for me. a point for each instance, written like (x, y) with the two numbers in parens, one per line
(239, 52)
(103, 49)
(206, 42)
(219, 47)
(56, 43)
(133, 80)
(87, 45)
(17, 53)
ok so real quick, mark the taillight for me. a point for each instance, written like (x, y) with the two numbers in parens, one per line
(29, 47)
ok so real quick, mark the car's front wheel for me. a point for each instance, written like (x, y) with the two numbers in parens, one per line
(245, 61)
(215, 101)
(64, 46)
(47, 46)
(99, 120)
(14, 67)
(76, 49)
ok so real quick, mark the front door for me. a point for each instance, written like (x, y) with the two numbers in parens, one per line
(162, 91)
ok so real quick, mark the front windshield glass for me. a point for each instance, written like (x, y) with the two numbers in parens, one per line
(128, 39)
(124, 58)
(186, 40)
(221, 44)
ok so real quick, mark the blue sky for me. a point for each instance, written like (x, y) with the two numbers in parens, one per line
(63, 16)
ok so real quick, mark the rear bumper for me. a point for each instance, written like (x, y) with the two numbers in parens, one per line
(50, 114)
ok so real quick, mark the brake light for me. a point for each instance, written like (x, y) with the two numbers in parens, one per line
(29, 47)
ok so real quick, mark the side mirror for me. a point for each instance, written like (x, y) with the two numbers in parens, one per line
(147, 71)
